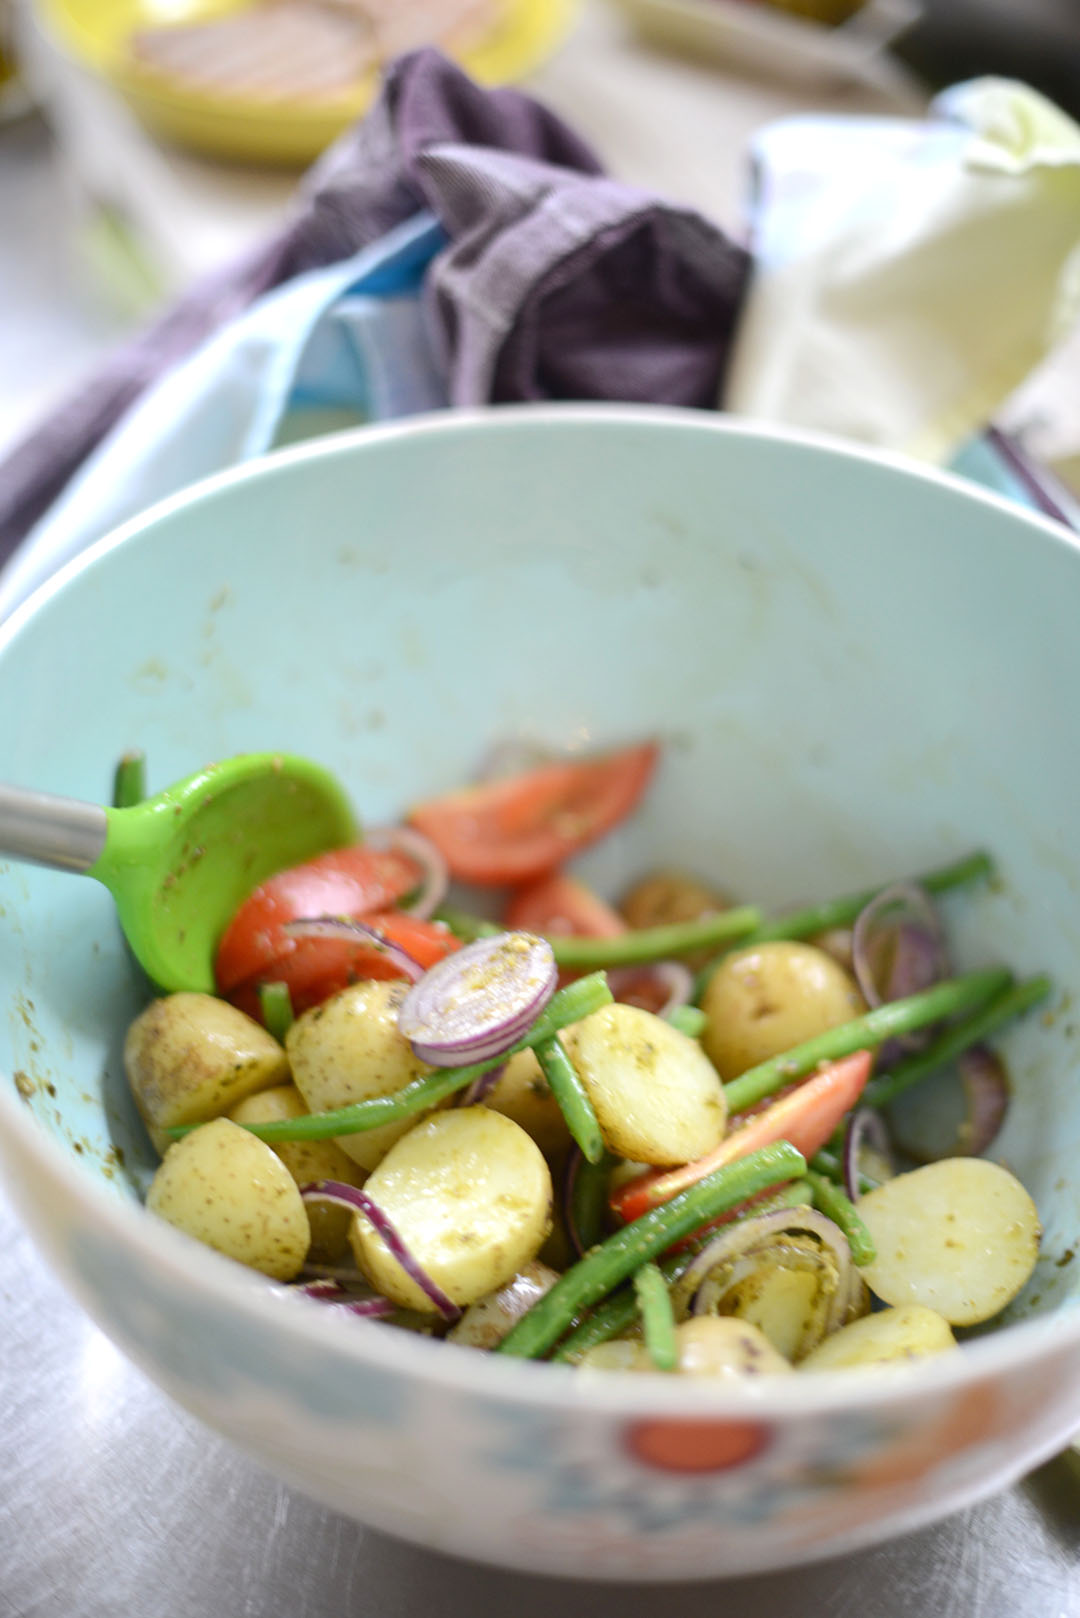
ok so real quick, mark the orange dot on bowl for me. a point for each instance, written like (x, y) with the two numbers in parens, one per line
(695, 1446)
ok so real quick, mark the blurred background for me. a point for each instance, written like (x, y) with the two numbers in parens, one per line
(143, 142)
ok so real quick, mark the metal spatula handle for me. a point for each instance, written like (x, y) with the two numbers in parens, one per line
(47, 830)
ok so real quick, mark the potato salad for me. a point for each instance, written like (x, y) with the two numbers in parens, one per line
(649, 1134)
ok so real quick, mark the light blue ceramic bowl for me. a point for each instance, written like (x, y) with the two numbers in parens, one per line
(858, 670)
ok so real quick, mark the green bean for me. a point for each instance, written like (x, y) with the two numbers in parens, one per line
(465, 926)
(129, 780)
(571, 1095)
(636, 947)
(689, 1020)
(639, 946)
(843, 911)
(618, 1313)
(600, 1271)
(864, 1033)
(836, 1205)
(657, 1317)
(588, 1199)
(955, 1040)
(569, 1005)
(827, 1162)
(275, 1004)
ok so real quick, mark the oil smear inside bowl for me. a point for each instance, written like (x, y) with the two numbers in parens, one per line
(665, 1133)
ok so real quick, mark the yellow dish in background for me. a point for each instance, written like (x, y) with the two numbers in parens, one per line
(287, 131)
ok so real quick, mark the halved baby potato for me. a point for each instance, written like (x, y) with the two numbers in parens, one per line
(523, 1094)
(469, 1193)
(890, 1337)
(656, 1096)
(306, 1161)
(230, 1191)
(190, 1057)
(350, 1049)
(960, 1237)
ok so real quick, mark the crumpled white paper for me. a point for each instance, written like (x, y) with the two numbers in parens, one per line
(909, 274)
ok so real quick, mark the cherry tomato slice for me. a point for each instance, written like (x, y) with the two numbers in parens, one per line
(513, 830)
(316, 968)
(345, 882)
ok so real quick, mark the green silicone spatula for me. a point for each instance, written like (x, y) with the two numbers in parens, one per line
(179, 864)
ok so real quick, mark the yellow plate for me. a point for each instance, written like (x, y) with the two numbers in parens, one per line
(98, 33)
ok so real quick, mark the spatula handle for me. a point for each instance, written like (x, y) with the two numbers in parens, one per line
(46, 830)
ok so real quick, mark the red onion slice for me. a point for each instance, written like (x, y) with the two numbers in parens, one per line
(350, 1196)
(898, 949)
(478, 1002)
(422, 851)
(574, 1160)
(897, 944)
(333, 1292)
(986, 1094)
(742, 1240)
(866, 1127)
(349, 931)
(658, 988)
(482, 1087)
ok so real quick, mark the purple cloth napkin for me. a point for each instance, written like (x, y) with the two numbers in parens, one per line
(556, 282)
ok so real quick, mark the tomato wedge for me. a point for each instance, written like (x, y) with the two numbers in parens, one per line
(806, 1117)
(316, 968)
(513, 830)
(345, 882)
(561, 907)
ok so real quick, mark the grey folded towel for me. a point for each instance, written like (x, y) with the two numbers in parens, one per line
(555, 283)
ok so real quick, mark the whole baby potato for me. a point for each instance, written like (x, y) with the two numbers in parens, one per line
(307, 1161)
(765, 998)
(664, 898)
(715, 1346)
(722, 1346)
(350, 1049)
(230, 1191)
(469, 1194)
(190, 1057)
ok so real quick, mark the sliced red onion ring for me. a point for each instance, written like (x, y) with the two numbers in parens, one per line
(897, 944)
(898, 949)
(333, 1292)
(482, 1087)
(742, 1240)
(350, 1196)
(986, 1091)
(866, 1128)
(659, 987)
(355, 932)
(574, 1160)
(478, 1002)
(422, 851)
(324, 1287)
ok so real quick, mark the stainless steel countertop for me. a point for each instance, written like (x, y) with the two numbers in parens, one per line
(114, 1501)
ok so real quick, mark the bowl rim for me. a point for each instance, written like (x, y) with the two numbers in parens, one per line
(264, 1307)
